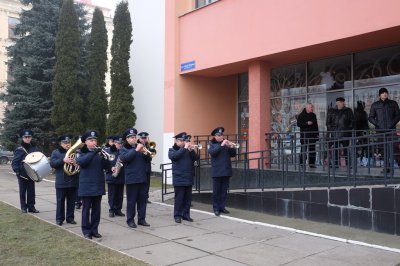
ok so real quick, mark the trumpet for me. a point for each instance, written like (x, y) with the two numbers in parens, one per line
(106, 155)
(233, 144)
(197, 146)
(149, 148)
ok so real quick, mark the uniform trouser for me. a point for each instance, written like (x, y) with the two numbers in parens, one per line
(78, 200)
(220, 192)
(308, 144)
(136, 196)
(91, 210)
(115, 196)
(26, 193)
(183, 200)
(68, 193)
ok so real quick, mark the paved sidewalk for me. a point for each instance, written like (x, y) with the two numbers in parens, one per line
(208, 240)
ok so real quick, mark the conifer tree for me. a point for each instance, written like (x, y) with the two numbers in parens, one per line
(97, 67)
(31, 63)
(67, 110)
(121, 106)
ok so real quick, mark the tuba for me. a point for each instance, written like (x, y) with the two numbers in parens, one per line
(72, 169)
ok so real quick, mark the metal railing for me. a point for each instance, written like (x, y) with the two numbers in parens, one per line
(349, 158)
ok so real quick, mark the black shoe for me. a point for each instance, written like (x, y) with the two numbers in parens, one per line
(148, 202)
(97, 235)
(217, 213)
(111, 214)
(143, 223)
(187, 219)
(119, 213)
(33, 210)
(178, 220)
(59, 223)
(23, 211)
(87, 236)
(78, 206)
(71, 222)
(132, 225)
(225, 211)
(312, 166)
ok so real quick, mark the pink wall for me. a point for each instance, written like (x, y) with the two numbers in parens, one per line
(203, 104)
(235, 30)
(193, 104)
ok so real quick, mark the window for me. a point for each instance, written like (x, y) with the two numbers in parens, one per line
(201, 3)
(12, 23)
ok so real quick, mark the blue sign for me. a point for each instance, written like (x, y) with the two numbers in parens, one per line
(188, 66)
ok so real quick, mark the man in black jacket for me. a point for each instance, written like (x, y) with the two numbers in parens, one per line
(341, 121)
(385, 115)
(307, 121)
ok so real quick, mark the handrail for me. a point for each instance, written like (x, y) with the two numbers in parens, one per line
(281, 161)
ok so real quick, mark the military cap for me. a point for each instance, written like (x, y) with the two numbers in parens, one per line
(181, 136)
(143, 134)
(118, 139)
(218, 131)
(130, 132)
(90, 134)
(26, 133)
(65, 138)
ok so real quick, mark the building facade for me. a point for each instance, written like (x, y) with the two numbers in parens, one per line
(251, 66)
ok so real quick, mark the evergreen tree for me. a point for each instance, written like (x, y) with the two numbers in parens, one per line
(97, 67)
(31, 63)
(67, 110)
(121, 115)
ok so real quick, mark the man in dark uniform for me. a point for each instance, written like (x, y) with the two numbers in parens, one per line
(26, 185)
(91, 183)
(144, 138)
(115, 181)
(221, 151)
(110, 141)
(183, 156)
(66, 186)
(136, 178)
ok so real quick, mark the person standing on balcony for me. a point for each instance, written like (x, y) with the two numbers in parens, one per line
(221, 150)
(341, 121)
(307, 121)
(384, 115)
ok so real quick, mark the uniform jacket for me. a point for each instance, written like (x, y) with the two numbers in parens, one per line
(384, 114)
(182, 165)
(120, 179)
(220, 159)
(62, 179)
(19, 156)
(341, 121)
(91, 176)
(307, 131)
(136, 165)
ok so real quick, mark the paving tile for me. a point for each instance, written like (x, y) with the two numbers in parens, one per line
(261, 254)
(211, 260)
(166, 253)
(213, 242)
(255, 232)
(304, 243)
